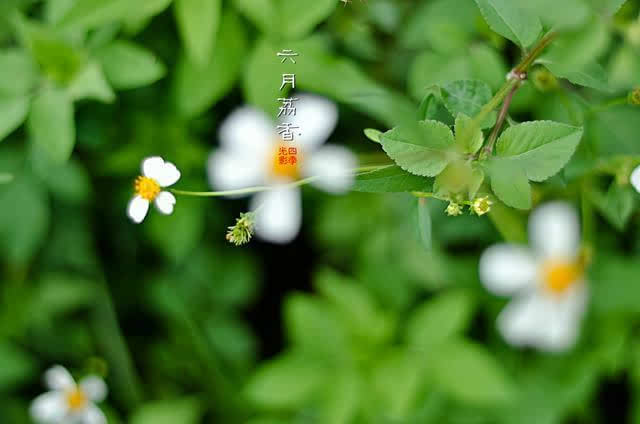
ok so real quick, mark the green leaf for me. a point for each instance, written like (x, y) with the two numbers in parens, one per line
(559, 15)
(471, 145)
(183, 411)
(5, 178)
(198, 24)
(460, 181)
(128, 65)
(17, 366)
(438, 320)
(373, 135)
(423, 149)
(263, 13)
(391, 179)
(511, 21)
(540, 148)
(286, 381)
(88, 14)
(510, 183)
(91, 83)
(58, 58)
(51, 124)
(616, 205)
(23, 226)
(425, 224)
(296, 18)
(608, 7)
(590, 75)
(468, 373)
(511, 224)
(196, 87)
(262, 77)
(13, 112)
(468, 97)
(18, 73)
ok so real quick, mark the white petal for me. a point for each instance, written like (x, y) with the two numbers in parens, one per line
(316, 118)
(58, 378)
(334, 165)
(279, 217)
(93, 415)
(229, 170)
(94, 387)
(506, 268)
(248, 131)
(635, 179)
(49, 408)
(165, 202)
(138, 208)
(567, 313)
(165, 173)
(525, 320)
(554, 230)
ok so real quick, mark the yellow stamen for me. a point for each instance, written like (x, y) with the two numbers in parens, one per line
(286, 161)
(147, 188)
(560, 275)
(76, 399)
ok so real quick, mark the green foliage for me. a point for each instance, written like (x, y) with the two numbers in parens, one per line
(127, 65)
(511, 21)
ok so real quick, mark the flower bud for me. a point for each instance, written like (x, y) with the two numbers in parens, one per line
(634, 97)
(481, 205)
(454, 209)
(544, 80)
(242, 231)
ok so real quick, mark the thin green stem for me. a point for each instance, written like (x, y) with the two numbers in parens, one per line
(257, 189)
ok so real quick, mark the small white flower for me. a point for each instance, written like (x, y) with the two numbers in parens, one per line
(250, 156)
(156, 174)
(635, 179)
(547, 280)
(68, 402)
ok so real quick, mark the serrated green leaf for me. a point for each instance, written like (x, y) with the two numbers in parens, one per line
(128, 65)
(590, 75)
(470, 374)
(422, 149)
(539, 148)
(198, 22)
(511, 21)
(13, 112)
(51, 124)
(468, 97)
(391, 179)
(510, 183)
(196, 87)
(286, 381)
(472, 145)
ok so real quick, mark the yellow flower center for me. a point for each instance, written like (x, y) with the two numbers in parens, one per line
(147, 188)
(285, 162)
(559, 275)
(76, 399)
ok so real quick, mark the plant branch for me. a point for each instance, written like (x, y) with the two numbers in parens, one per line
(488, 149)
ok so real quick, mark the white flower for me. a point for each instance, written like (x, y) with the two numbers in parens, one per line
(251, 155)
(547, 280)
(635, 179)
(156, 174)
(68, 402)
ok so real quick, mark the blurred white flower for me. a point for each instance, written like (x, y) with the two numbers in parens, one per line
(635, 179)
(68, 402)
(156, 174)
(547, 281)
(250, 155)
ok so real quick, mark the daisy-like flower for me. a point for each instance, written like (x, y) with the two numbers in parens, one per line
(635, 179)
(547, 280)
(68, 402)
(156, 175)
(251, 154)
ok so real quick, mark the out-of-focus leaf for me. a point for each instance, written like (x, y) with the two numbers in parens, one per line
(51, 124)
(90, 83)
(58, 294)
(89, 14)
(616, 204)
(263, 13)
(17, 366)
(612, 131)
(580, 47)
(469, 373)
(23, 226)
(590, 75)
(391, 179)
(128, 65)
(511, 21)
(18, 73)
(297, 19)
(608, 7)
(198, 22)
(438, 320)
(183, 411)
(195, 87)
(559, 15)
(613, 284)
(13, 112)
(5, 178)
(287, 381)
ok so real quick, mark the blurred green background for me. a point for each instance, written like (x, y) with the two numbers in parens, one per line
(356, 321)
